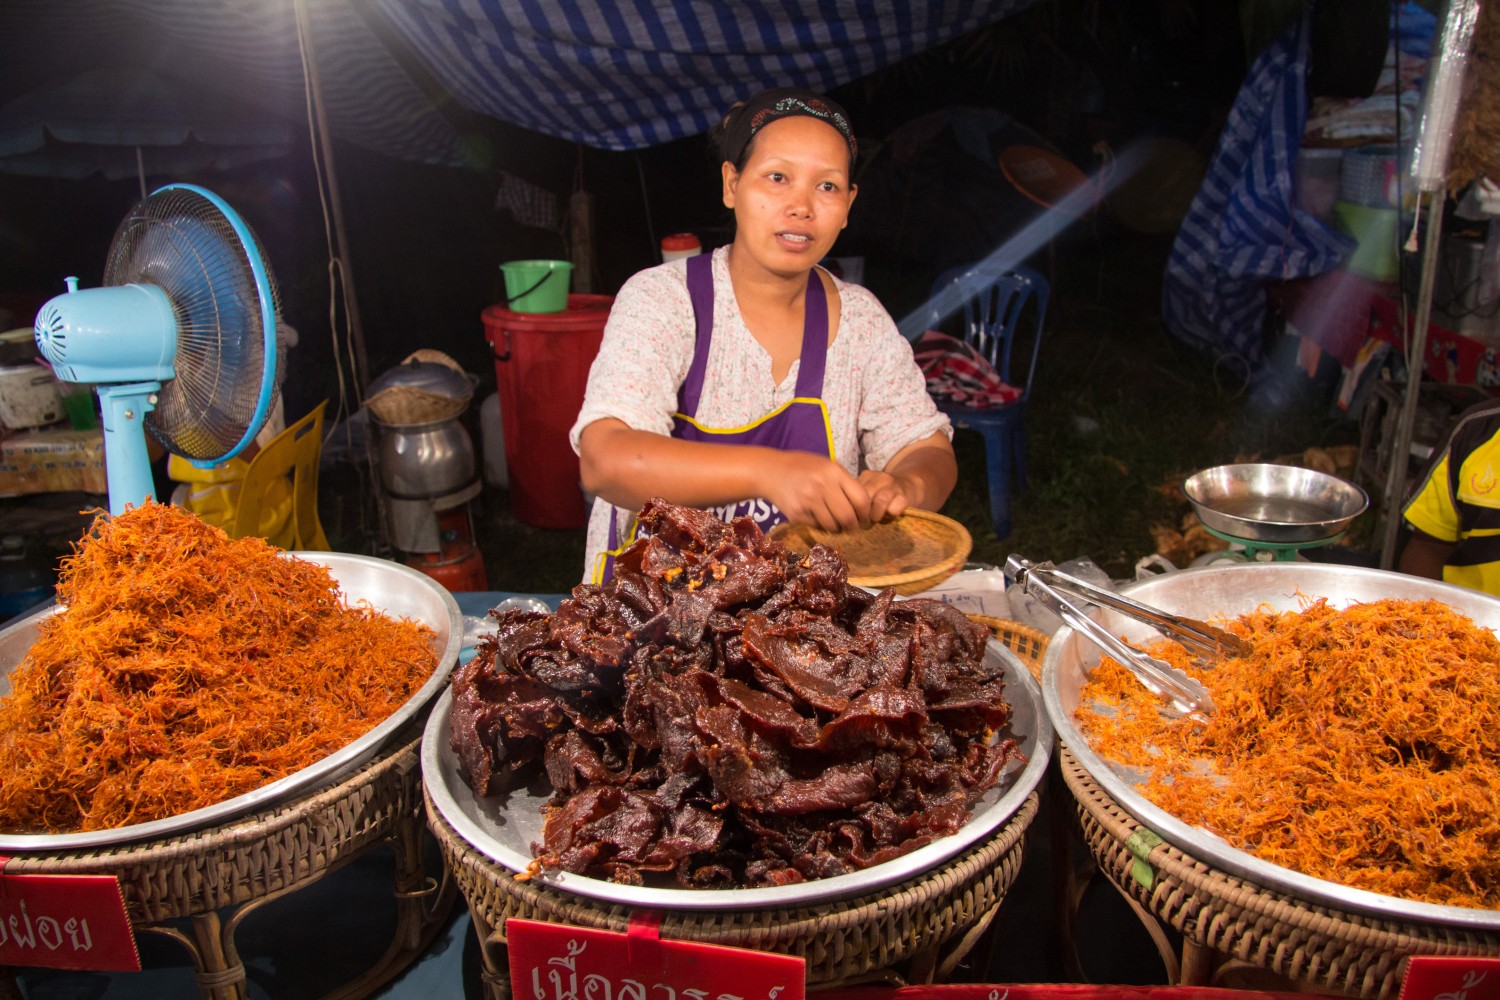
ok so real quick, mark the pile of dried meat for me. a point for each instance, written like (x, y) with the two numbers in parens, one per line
(734, 715)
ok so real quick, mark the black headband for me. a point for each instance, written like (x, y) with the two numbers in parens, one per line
(744, 120)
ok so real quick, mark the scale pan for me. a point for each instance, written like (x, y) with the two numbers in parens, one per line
(1275, 504)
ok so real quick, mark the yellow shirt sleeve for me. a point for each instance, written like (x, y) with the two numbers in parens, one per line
(1431, 510)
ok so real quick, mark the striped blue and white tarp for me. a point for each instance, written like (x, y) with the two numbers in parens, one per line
(629, 74)
(611, 74)
(1244, 229)
(253, 48)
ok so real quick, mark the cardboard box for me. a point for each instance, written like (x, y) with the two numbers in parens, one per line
(52, 461)
(1450, 358)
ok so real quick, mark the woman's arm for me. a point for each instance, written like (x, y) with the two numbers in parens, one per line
(920, 475)
(627, 467)
(1425, 555)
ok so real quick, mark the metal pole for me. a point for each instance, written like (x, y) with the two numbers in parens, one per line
(325, 142)
(1429, 167)
(1400, 454)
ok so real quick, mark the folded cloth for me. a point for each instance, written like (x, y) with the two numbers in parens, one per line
(957, 373)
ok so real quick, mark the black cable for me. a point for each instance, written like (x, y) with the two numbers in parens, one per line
(640, 172)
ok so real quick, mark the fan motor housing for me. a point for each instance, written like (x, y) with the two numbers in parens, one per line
(120, 333)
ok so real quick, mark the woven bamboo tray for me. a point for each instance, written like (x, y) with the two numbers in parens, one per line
(404, 405)
(1028, 643)
(247, 862)
(1230, 925)
(909, 553)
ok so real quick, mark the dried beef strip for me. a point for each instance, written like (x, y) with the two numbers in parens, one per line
(728, 713)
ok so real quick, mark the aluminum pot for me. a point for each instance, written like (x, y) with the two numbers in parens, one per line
(425, 461)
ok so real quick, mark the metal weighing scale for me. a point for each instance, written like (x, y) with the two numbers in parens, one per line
(1277, 510)
(1251, 548)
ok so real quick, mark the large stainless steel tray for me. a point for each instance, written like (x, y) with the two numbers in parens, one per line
(1227, 591)
(503, 826)
(391, 587)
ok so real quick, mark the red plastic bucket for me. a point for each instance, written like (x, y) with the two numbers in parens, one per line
(541, 368)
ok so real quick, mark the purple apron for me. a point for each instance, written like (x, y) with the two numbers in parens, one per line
(801, 424)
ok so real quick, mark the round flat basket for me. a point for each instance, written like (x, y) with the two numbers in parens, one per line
(910, 553)
(1229, 923)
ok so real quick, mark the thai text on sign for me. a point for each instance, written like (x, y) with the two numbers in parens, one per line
(65, 922)
(559, 962)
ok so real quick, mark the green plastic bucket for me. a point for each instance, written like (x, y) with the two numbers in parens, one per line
(537, 286)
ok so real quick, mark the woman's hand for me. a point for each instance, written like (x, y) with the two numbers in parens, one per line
(889, 495)
(627, 467)
(812, 489)
(920, 475)
(820, 492)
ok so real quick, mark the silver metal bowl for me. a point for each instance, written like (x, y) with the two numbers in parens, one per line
(396, 589)
(1278, 504)
(504, 826)
(1222, 591)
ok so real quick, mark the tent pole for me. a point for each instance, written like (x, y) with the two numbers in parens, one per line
(1400, 455)
(1429, 168)
(325, 143)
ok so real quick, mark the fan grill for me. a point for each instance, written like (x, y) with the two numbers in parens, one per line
(52, 333)
(180, 241)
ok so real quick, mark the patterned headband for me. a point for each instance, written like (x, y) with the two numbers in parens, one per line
(745, 120)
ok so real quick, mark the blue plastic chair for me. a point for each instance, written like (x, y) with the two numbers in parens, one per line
(993, 308)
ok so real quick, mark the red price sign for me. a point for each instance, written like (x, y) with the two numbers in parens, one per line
(558, 962)
(65, 922)
(1451, 977)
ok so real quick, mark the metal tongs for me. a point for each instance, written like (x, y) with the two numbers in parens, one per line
(1047, 583)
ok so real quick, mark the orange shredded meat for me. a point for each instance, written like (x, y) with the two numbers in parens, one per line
(185, 669)
(1360, 746)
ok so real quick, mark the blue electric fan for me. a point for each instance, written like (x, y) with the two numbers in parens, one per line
(180, 339)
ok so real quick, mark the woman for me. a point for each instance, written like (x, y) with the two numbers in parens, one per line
(751, 381)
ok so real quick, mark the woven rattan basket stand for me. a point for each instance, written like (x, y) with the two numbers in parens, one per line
(915, 932)
(1235, 933)
(216, 877)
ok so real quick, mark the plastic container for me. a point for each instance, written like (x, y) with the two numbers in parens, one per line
(1376, 229)
(29, 397)
(78, 400)
(680, 245)
(1319, 177)
(541, 370)
(537, 286)
(1466, 298)
(1369, 177)
(492, 441)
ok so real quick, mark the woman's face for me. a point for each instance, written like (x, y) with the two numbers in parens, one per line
(792, 197)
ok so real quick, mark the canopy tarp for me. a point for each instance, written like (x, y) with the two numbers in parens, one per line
(610, 74)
